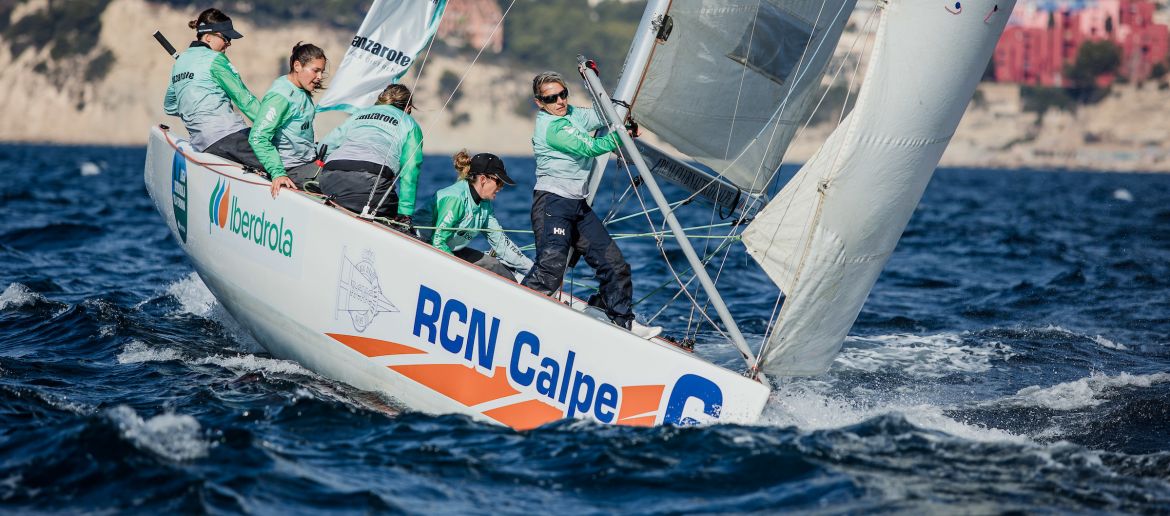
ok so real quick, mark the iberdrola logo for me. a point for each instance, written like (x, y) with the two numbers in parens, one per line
(218, 205)
(253, 227)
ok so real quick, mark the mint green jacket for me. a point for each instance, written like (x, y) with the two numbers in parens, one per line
(203, 87)
(565, 150)
(459, 219)
(282, 136)
(385, 135)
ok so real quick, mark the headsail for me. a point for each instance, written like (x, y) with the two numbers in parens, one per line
(385, 46)
(735, 78)
(828, 233)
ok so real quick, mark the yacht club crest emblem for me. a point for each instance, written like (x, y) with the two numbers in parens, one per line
(359, 293)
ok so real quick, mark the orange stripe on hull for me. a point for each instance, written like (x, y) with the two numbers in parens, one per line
(638, 421)
(525, 415)
(459, 382)
(374, 347)
(637, 401)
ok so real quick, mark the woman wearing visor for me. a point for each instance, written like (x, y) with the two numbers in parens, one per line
(204, 85)
(464, 210)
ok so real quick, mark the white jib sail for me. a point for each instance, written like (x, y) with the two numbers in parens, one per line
(828, 233)
(734, 80)
(385, 46)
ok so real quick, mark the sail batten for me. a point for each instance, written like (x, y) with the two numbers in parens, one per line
(828, 233)
(773, 51)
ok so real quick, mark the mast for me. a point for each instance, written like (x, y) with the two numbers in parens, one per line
(633, 70)
(615, 125)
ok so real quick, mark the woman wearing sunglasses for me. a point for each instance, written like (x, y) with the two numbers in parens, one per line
(561, 217)
(203, 87)
(464, 210)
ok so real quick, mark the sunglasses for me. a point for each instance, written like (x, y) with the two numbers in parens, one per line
(549, 99)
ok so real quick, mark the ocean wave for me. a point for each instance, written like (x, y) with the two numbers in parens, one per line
(920, 356)
(193, 295)
(805, 406)
(18, 295)
(175, 437)
(196, 299)
(1083, 393)
(137, 351)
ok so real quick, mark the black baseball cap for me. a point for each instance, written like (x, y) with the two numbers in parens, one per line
(490, 165)
(223, 27)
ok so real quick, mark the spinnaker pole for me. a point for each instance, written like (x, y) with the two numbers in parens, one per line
(637, 60)
(615, 124)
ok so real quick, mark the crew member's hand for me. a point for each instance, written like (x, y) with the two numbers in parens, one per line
(282, 182)
(634, 131)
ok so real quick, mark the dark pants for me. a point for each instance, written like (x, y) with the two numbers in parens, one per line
(301, 174)
(486, 261)
(350, 182)
(235, 147)
(562, 224)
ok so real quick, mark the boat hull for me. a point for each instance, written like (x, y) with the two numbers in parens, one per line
(376, 309)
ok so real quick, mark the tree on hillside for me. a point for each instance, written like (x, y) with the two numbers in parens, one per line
(1094, 59)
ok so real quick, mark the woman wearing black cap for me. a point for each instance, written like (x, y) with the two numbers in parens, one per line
(203, 87)
(464, 210)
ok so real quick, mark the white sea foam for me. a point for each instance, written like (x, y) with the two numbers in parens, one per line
(1122, 194)
(196, 299)
(193, 295)
(175, 437)
(89, 168)
(1106, 343)
(803, 404)
(920, 356)
(251, 363)
(137, 352)
(1085, 392)
(18, 295)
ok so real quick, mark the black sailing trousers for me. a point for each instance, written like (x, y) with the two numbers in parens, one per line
(350, 182)
(561, 224)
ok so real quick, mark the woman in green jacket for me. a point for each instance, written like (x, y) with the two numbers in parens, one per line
(464, 210)
(204, 85)
(283, 134)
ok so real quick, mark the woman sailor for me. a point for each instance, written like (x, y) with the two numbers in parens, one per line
(283, 134)
(203, 87)
(464, 209)
(374, 145)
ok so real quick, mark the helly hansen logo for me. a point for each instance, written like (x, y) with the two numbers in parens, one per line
(559, 231)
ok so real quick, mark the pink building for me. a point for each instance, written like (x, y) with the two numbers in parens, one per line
(1040, 41)
(471, 22)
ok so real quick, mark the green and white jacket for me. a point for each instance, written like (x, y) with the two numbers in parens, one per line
(282, 136)
(385, 135)
(459, 219)
(565, 150)
(203, 87)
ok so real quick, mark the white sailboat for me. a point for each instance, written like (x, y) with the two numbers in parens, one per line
(357, 302)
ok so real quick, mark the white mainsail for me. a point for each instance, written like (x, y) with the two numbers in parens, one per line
(390, 38)
(734, 80)
(826, 236)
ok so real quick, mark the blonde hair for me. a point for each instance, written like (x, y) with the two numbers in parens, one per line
(396, 95)
(462, 162)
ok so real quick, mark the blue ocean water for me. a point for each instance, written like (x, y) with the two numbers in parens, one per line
(1012, 357)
